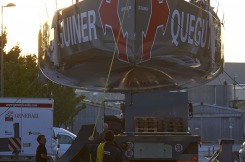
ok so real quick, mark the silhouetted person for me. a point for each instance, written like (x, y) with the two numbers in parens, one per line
(108, 151)
(101, 135)
(41, 152)
(95, 140)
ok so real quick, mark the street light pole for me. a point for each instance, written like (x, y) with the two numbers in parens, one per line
(2, 79)
(2, 65)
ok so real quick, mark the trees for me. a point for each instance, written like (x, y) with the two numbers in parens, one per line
(20, 75)
(66, 104)
(21, 80)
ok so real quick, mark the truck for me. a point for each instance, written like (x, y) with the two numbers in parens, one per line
(155, 127)
(22, 120)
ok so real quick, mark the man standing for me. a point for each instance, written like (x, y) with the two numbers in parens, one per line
(108, 151)
(41, 153)
(102, 134)
(97, 139)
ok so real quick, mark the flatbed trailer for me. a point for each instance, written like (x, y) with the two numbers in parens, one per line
(156, 128)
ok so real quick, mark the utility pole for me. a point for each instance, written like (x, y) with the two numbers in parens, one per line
(2, 63)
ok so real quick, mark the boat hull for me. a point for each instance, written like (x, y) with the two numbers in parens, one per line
(131, 46)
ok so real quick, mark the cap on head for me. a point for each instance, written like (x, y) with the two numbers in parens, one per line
(109, 136)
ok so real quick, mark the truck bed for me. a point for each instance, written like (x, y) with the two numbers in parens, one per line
(161, 146)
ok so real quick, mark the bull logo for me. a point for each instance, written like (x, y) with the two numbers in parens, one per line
(158, 19)
(111, 19)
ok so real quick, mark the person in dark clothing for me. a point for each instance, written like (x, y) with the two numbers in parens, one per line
(111, 152)
(95, 140)
(41, 152)
(100, 138)
(102, 134)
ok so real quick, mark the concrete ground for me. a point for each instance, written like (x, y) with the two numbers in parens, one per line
(207, 150)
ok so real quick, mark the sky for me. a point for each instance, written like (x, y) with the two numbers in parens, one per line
(23, 22)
